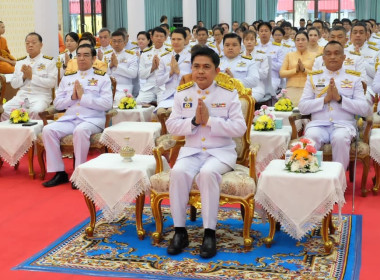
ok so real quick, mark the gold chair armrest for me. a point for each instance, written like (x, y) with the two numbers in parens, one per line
(166, 145)
(253, 150)
(368, 128)
(109, 115)
(292, 121)
(48, 114)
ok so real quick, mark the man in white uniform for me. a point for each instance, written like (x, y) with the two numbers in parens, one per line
(209, 115)
(104, 39)
(85, 95)
(35, 75)
(333, 96)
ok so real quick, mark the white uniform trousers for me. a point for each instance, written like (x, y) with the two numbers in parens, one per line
(340, 140)
(52, 133)
(36, 105)
(209, 170)
(147, 96)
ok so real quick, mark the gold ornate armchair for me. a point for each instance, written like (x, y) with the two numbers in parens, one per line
(66, 144)
(238, 186)
(363, 153)
(3, 84)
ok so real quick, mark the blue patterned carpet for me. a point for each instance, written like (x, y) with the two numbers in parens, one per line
(117, 252)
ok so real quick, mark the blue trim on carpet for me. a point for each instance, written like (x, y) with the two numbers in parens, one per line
(357, 248)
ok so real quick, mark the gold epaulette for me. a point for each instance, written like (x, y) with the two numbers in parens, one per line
(276, 44)
(165, 53)
(99, 72)
(169, 49)
(97, 47)
(185, 86)
(220, 56)
(319, 55)
(346, 46)
(48, 57)
(109, 51)
(134, 43)
(352, 72)
(316, 72)
(372, 43)
(21, 58)
(260, 51)
(246, 57)
(211, 45)
(355, 53)
(148, 49)
(68, 73)
(166, 44)
(65, 51)
(229, 87)
(373, 48)
(130, 52)
(286, 45)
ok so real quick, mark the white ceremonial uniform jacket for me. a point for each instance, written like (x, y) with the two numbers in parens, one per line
(44, 78)
(376, 84)
(163, 73)
(261, 92)
(97, 97)
(348, 84)
(243, 68)
(322, 42)
(354, 61)
(104, 49)
(288, 45)
(226, 121)
(277, 55)
(126, 70)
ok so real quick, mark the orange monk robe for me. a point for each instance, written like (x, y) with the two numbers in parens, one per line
(72, 65)
(61, 43)
(5, 67)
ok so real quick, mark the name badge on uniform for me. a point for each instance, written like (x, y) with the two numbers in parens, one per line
(241, 64)
(92, 82)
(349, 61)
(187, 103)
(260, 51)
(346, 84)
(321, 83)
(218, 105)
(41, 67)
(123, 60)
(186, 61)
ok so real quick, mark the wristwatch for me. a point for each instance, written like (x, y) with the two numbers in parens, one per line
(193, 122)
(340, 101)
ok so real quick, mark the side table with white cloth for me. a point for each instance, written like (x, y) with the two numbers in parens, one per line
(17, 140)
(284, 115)
(111, 183)
(273, 145)
(374, 147)
(299, 201)
(138, 114)
(141, 136)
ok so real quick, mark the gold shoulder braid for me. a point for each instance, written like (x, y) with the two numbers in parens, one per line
(99, 72)
(130, 52)
(107, 52)
(373, 48)
(185, 86)
(68, 73)
(21, 58)
(226, 86)
(48, 57)
(246, 57)
(323, 91)
(316, 72)
(211, 45)
(355, 53)
(352, 72)
(165, 53)
(169, 49)
(146, 50)
(276, 44)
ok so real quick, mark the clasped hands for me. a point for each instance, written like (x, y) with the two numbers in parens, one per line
(201, 114)
(27, 72)
(114, 61)
(77, 91)
(300, 67)
(174, 67)
(332, 92)
(155, 63)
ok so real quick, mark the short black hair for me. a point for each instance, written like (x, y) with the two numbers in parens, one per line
(123, 29)
(73, 35)
(218, 28)
(319, 21)
(93, 51)
(159, 30)
(333, 43)
(278, 29)
(104, 29)
(264, 24)
(195, 27)
(118, 33)
(346, 20)
(301, 33)
(187, 29)
(202, 29)
(272, 21)
(339, 28)
(232, 36)
(302, 19)
(286, 24)
(34, 34)
(295, 29)
(180, 31)
(205, 51)
(147, 35)
(360, 23)
(165, 25)
(225, 24)
(163, 18)
(315, 29)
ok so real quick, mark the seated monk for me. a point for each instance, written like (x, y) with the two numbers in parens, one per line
(7, 61)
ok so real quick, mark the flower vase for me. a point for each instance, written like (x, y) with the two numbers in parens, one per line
(127, 152)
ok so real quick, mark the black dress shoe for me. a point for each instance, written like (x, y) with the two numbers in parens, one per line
(178, 243)
(208, 248)
(73, 186)
(58, 179)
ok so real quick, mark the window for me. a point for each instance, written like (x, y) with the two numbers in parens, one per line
(87, 15)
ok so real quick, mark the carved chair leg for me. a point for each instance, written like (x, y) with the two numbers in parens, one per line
(332, 227)
(375, 189)
(30, 159)
(41, 161)
(91, 207)
(272, 230)
(193, 213)
(247, 218)
(157, 214)
(139, 211)
(242, 211)
(325, 235)
(366, 162)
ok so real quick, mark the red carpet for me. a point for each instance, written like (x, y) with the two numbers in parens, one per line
(33, 217)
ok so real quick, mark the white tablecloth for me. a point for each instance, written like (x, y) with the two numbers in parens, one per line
(374, 144)
(113, 183)
(16, 140)
(141, 136)
(285, 117)
(273, 145)
(300, 201)
(139, 114)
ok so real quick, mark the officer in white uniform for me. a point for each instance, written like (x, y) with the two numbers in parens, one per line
(104, 39)
(173, 65)
(71, 43)
(85, 95)
(376, 84)
(333, 96)
(149, 62)
(122, 65)
(238, 66)
(35, 75)
(209, 115)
